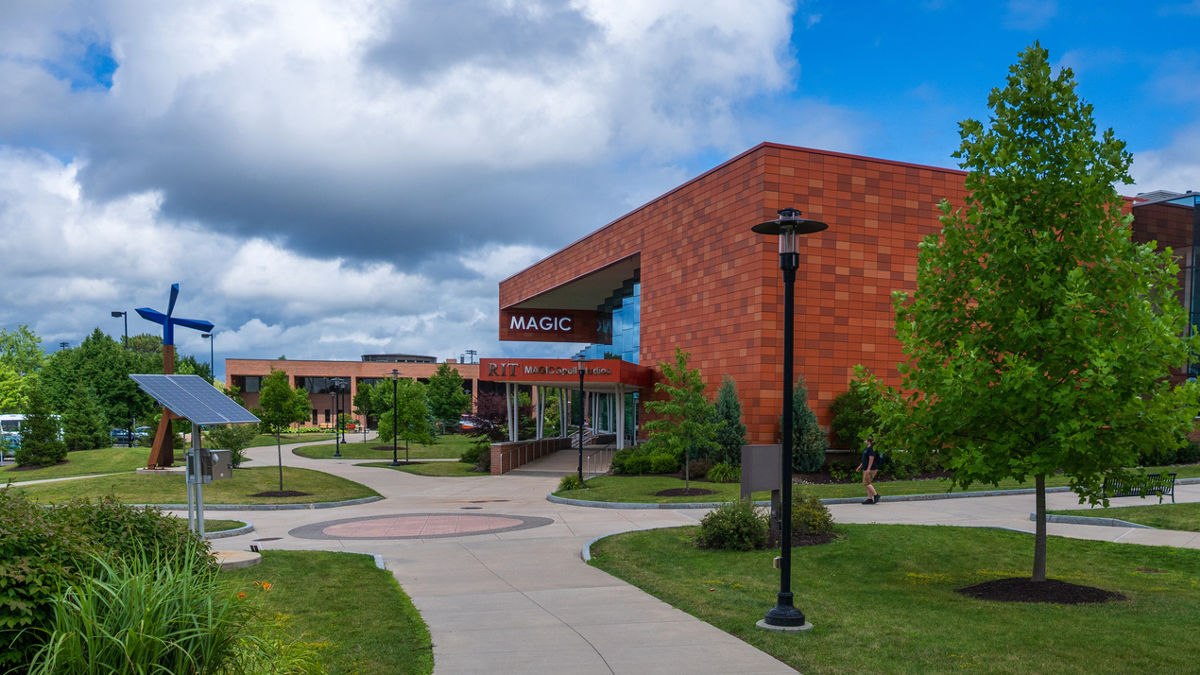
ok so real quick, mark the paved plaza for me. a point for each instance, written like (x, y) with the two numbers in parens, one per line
(497, 573)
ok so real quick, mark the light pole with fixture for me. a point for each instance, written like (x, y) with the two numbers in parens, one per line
(580, 360)
(337, 417)
(784, 616)
(212, 371)
(128, 407)
(395, 374)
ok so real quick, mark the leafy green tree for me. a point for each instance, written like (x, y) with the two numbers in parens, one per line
(83, 424)
(1040, 336)
(853, 415)
(412, 416)
(732, 433)
(365, 401)
(809, 441)
(447, 399)
(40, 445)
(21, 350)
(280, 406)
(234, 438)
(21, 357)
(685, 425)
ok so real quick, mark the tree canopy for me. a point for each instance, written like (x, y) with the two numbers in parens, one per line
(1040, 337)
(685, 425)
(412, 418)
(447, 399)
(279, 406)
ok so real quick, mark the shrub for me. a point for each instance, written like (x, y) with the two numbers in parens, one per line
(810, 516)
(617, 466)
(842, 473)
(731, 435)
(735, 526)
(1157, 457)
(809, 441)
(570, 482)
(698, 468)
(234, 438)
(661, 462)
(472, 454)
(724, 473)
(1189, 453)
(853, 416)
(185, 622)
(638, 464)
(43, 549)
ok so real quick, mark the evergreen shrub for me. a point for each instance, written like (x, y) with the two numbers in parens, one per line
(737, 526)
(810, 516)
(724, 473)
(661, 462)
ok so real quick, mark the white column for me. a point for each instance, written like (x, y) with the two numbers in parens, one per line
(620, 416)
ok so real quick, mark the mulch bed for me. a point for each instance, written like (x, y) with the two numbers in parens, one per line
(280, 493)
(684, 492)
(1050, 590)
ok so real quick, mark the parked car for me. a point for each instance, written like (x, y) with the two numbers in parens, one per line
(466, 423)
(142, 432)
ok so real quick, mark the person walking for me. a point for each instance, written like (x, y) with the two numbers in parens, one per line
(869, 466)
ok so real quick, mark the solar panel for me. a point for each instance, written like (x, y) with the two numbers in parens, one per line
(193, 398)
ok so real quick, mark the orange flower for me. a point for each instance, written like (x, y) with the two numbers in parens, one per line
(241, 595)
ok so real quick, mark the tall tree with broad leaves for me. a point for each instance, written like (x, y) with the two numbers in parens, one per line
(411, 415)
(732, 433)
(280, 406)
(685, 425)
(447, 399)
(1040, 337)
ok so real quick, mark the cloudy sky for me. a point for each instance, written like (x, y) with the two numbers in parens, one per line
(326, 179)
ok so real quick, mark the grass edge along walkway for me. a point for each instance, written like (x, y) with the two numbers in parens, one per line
(135, 488)
(1184, 516)
(357, 615)
(641, 489)
(882, 599)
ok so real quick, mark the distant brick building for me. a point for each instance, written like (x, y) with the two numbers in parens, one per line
(319, 379)
(685, 270)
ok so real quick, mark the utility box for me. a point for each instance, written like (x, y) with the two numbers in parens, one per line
(222, 464)
(761, 468)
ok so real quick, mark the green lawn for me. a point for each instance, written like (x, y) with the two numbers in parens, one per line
(882, 600)
(454, 469)
(222, 525)
(450, 446)
(269, 439)
(84, 463)
(357, 613)
(642, 488)
(170, 489)
(1163, 516)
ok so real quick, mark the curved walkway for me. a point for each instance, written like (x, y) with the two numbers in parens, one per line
(520, 599)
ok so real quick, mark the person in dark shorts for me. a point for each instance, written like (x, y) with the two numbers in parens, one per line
(869, 466)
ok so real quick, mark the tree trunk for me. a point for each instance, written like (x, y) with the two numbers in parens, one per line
(279, 455)
(1039, 537)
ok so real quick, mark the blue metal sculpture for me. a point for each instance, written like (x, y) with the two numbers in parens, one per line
(169, 322)
(162, 453)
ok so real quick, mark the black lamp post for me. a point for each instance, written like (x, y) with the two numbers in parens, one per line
(337, 417)
(784, 615)
(212, 372)
(395, 374)
(128, 408)
(580, 360)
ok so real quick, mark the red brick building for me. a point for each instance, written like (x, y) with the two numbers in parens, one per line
(702, 281)
(321, 378)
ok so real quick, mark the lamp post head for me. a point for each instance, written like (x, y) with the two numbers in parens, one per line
(579, 358)
(395, 374)
(206, 335)
(787, 226)
(117, 315)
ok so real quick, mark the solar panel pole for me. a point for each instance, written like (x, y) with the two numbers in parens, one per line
(198, 482)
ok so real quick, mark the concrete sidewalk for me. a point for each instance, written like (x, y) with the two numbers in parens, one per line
(523, 601)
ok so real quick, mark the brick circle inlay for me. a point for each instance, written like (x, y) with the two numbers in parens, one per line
(418, 526)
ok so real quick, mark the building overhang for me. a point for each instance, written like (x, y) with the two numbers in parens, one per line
(598, 375)
(571, 311)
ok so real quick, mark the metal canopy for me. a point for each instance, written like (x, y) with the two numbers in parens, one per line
(193, 398)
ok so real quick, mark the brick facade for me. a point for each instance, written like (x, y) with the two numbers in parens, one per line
(352, 370)
(713, 287)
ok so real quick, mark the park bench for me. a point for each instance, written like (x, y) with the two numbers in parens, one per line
(1151, 484)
